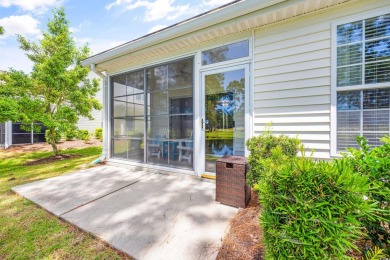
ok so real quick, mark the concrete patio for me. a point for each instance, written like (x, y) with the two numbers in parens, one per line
(147, 215)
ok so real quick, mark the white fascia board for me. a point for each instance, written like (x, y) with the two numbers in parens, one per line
(207, 20)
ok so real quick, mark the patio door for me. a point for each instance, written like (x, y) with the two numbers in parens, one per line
(224, 114)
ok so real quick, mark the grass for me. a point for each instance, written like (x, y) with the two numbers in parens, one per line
(29, 232)
(220, 134)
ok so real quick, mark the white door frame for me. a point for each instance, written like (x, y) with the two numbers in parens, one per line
(201, 155)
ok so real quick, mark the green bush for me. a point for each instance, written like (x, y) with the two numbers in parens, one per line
(375, 164)
(70, 134)
(84, 135)
(99, 134)
(57, 136)
(311, 210)
(268, 151)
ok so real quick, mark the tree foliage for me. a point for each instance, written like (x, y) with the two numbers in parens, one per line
(1, 30)
(57, 92)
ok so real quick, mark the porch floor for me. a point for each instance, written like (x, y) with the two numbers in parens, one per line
(147, 215)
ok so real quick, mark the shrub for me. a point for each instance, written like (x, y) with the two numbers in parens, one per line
(70, 134)
(57, 136)
(267, 151)
(311, 210)
(375, 164)
(99, 134)
(84, 135)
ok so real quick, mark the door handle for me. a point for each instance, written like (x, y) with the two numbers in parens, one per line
(202, 124)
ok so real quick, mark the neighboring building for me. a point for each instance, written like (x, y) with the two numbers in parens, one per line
(11, 133)
(319, 69)
(91, 125)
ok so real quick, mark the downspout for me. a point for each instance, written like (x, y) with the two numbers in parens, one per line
(104, 155)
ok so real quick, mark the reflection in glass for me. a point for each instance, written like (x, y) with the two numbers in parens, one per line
(135, 82)
(376, 98)
(118, 85)
(362, 112)
(377, 50)
(225, 116)
(348, 100)
(225, 53)
(378, 27)
(157, 78)
(378, 72)
(349, 76)
(350, 32)
(349, 54)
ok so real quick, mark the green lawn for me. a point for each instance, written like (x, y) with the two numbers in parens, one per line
(220, 134)
(29, 232)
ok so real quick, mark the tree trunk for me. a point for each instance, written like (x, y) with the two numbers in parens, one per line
(53, 142)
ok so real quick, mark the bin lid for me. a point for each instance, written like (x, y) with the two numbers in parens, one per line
(232, 159)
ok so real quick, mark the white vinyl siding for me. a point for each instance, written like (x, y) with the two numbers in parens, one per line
(292, 76)
(90, 125)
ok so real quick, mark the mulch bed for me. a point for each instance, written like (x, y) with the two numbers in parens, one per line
(243, 240)
(53, 158)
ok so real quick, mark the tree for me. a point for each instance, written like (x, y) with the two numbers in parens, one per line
(1, 30)
(57, 91)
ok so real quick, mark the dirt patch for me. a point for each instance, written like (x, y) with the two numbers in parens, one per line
(244, 238)
(63, 145)
(53, 158)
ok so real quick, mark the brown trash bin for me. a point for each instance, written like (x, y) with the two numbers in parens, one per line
(231, 184)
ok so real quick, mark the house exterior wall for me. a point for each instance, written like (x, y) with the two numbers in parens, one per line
(290, 78)
(90, 125)
(292, 75)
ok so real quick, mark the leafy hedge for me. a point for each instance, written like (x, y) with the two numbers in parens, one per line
(84, 135)
(375, 164)
(311, 210)
(268, 151)
(316, 209)
(99, 134)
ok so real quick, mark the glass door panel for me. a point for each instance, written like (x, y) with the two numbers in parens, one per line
(224, 113)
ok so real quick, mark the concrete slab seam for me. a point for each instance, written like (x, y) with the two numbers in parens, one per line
(105, 195)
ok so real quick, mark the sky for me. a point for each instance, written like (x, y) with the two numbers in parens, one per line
(102, 24)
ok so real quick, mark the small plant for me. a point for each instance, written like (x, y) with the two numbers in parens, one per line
(57, 136)
(99, 134)
(375, 164)
(84, 135)
(267, 151)
(376, 254)
(70, 134)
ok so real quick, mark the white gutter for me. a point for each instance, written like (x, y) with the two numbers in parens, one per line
(218, 16)
(105, 115)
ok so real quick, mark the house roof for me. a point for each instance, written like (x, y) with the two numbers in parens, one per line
(204, 27)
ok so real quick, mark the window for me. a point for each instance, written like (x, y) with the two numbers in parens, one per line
(363, 81)
(225, 53)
